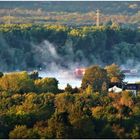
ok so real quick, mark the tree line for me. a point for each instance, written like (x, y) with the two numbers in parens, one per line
(24, 47)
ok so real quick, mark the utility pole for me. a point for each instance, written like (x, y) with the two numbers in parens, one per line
(97, 18)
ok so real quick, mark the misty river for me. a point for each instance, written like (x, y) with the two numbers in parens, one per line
(64, 77)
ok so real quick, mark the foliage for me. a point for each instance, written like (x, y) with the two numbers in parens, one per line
(114, 73)
(95, 77)
(16, 82)
(46, 85)
(68, 88)
(32, 107)
(22, 132)
(25, 46)
(66, 115)
(1, 74)
(59, 126)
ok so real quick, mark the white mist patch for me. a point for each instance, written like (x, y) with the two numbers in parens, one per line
(64, 77)
(51, 49)
(45, 53)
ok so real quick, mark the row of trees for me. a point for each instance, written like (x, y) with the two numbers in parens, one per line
(26, 46)
(22, 82)
(96, 77)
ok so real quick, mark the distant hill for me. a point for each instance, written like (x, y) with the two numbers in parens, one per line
(109, 7)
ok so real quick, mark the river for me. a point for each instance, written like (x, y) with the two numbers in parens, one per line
(65, 77)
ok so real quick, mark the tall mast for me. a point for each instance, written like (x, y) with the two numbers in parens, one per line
(9, 17)
(97, 18)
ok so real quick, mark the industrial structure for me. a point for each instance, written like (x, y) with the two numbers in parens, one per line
(97, 17)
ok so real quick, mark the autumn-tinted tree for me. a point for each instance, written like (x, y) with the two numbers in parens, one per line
(22, 132)
(114, 73)
(46, 85)
(96, 77)
(59, 126)
(16, 82)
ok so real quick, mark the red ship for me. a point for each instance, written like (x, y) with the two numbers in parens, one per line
(79, 72)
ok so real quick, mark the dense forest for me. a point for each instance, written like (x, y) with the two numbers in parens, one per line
(34, 107)
(34, 46)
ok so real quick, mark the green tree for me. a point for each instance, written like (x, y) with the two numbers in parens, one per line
(1, 74)
(107, 132)
(135, 132)
(84, 128)
(96, 77)
(59, 126)
(22, 132)
(68, 88)
(46, 85)
(34, 75)
(16, 82)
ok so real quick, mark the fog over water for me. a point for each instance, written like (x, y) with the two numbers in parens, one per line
(65, 76)
(47, 52)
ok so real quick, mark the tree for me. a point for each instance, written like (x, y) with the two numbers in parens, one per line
(1, 74)
(46, 85)
(84, 128)
(135, 132)
(119, 131)
(126, 99)
(16, 82)
(114, 73)
(22, 132)
(34, 75)
(89, 89)
(98, 112)
(59, 126)
(68, 88)
(96, 77)
(107, 132)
